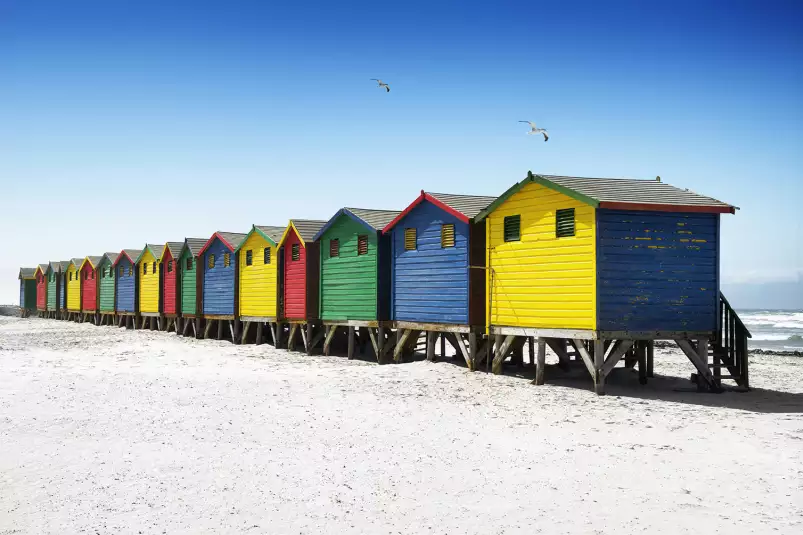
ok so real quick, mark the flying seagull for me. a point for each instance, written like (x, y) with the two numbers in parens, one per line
(381, 84)
(536, 130)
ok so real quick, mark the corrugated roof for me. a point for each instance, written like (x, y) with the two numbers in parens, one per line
(195, 245)
(233, 238)
(54, 265)
(43, 267)
(94, 260)
(274, 233)
(26, 273)
(77, 262)
(625, 190)
(307, 228)
(64, 265)
(175, 248)
(468, 205)
(111, 256)
(377, 219)
(132, 254)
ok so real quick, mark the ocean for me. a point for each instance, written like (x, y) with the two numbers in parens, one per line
(781, 330)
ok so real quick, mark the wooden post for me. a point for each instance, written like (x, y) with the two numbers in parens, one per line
(539, 371)
(641, 350)
(291, 338)
(650, 356)
(599, 360)
(351, 343)
(531, 347)
(327, 343)
(380, 345)
(431, 339)
(472, 351)
(259, 333)
(308, 340)
(219, 329)
(443, 345)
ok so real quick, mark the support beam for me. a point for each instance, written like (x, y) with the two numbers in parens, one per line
(259, 333)
(641, 351)
(195, 328)
(701, 363)
(291, 338)
(431, 339)
(619, 349)
(401, 339)
(246, 328)
(501, 352)
(208, 328)
(316, 339)
(539, 371)
(460, 345)
(531, 349)
(443, 345)
(599, 363)
(373, 341)
(380, 345)
(558, 346)
(580, 348)
(306, 336)
(350, 350)
(328, 341)
(472, 351)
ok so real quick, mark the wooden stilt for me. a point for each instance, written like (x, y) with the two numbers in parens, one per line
(650, 356)
(531, 347)
(327, 343)
(431, 339)
(401, 339)
(350, 353)
(208, 328)
(599, 361)
(443, 345)
(219, 329)
(641, 350)
(196, 327)
(246, 329)
(380, 345)
(472, 350)
(501, 352)
(291, 338)
(305, 338)
(231, 331)
(318, 335)
(539, 371)
(259, 333)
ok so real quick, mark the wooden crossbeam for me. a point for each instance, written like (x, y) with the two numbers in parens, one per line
(459, 343)
(699, 357)
(501, 353)
(328, 340)
(619, 349)
(400, 342)
(581, 350)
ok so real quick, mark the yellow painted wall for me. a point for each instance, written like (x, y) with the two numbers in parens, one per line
(258, 281)
(541, 281)
(73, 289)
(148, 284)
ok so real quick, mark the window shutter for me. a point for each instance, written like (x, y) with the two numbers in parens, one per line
(447, 235)
(169, 266)
(131, 270)
(145, 268)
(295, 252)
(362, 245)
(226, 259)
(513, 228)
(211, 261)
(249, 258)
(334, 248)
(409, 239)
(153, 270)
(189, 263)
(564, 223)
(266, 256)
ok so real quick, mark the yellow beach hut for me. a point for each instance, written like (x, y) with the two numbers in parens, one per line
(259, 282)
(73, 278)
(148, 277)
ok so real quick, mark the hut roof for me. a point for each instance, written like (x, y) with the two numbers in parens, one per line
(77, 262)
(111, 257)
(195, 245)
(42, 268)
(93, 261)
(54, 265)
(463, 207)
(27, 273)
(621, 194)
(232, 240)
(174, 247)
(375, 220)
(271, 234)
(305, 228)
(131, 254)
(63, 265)
(155, 249)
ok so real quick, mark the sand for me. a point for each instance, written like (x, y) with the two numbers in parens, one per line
(104, 430)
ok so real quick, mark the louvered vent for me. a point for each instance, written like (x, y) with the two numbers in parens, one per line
(295, 252)
(226, 259)
(189, 264)
(409, 239)
(334, 248)
(211, 261)
(266, 256)
(362, 245)
(564, 223)
(447, 235)
(513, 228)
(249, 257)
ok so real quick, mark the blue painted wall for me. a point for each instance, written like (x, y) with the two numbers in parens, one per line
(62, 297)
(430, 284)
(657, 271)
(125, 287)
(22, 293)
(219, 281)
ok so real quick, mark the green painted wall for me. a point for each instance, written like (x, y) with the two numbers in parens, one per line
(348, 281)
(30, 294)
(51, 290)
(107, 281)
(188, 281)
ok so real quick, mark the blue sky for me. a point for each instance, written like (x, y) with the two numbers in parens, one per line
(135, 121)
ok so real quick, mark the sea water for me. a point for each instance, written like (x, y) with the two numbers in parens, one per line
(781, 330)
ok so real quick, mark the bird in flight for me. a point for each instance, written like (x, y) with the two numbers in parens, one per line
(535, 130)
(381, 84)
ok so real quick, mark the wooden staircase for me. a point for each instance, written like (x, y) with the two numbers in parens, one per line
(728, 351)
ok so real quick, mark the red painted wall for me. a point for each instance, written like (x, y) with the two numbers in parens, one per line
(170, 267)
(41, 292)
(89, 288)
(295, 279)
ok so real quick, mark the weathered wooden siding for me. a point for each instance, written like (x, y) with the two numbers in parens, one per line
(89, 287)
(52, 290)
(295, 278)
(348, 281)
(62, 283)
(541, 281)
(188, 283)
(258, 282)
(41, 291)
(73, 289)
(219, 295)
(107, 278)
(126, 286)
(430, 283)
(657, 271)
(22, 293)
(29, 294)
(148, 283)
(169, 268)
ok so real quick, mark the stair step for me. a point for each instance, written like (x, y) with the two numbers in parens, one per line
(727, 377)
(719, 366)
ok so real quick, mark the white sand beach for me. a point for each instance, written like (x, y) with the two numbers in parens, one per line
(104, 430)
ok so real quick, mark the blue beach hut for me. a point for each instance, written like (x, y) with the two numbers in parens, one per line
(125, 302)
(219, 264)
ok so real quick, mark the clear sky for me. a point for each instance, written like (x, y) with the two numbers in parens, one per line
(123, 122)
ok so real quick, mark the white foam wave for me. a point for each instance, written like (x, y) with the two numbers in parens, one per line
(778, 320)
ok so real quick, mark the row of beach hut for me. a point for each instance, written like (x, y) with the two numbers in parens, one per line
(595, 269)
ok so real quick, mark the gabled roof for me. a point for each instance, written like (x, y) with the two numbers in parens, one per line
(64, 264)
(305, 229)
(42, 268)
(463, 207)
(231, 240)
(174, 247)
(272, 234)
(374, 220)
(76, 262)
(54, 265)
(620, 194)
(111, 257)
(154, 248)
(195, 246)
(27, 273)
(93, 261)
(131, 254)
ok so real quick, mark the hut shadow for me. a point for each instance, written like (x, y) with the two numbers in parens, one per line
(624, 383)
